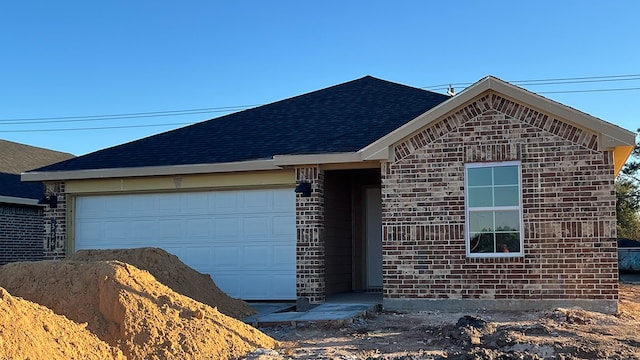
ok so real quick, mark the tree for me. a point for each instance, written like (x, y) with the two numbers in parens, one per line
(627, 188)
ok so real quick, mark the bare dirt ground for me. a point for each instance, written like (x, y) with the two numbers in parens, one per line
(99, 306)
(557, 334)
(75, 309)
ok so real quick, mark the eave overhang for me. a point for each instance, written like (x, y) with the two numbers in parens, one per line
(254, 165)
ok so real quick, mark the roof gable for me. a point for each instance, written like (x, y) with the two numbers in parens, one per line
(338, 119)
(493, 93)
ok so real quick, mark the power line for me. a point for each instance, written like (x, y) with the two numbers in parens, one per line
(95, 128)
(589, 90)
(551, 81)
(40, 120)
(149, 114)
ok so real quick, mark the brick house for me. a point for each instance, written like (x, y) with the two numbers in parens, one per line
(21, 218)
(495, 198)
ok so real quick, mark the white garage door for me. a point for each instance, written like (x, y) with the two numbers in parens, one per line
(246, 240)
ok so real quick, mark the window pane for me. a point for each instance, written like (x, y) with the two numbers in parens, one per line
(505, 175)
(479, 176)
(507, 220)
(482, 196)
(482, 243)
(508, 242)
(507, 196)
(480, 221)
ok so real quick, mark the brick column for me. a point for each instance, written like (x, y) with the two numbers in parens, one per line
(310, 268)
(55, 222)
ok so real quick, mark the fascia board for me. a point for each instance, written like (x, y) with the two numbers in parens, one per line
(18, 200)
(336, 158)
(255, 165)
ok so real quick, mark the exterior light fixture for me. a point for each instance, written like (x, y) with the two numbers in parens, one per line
(304, 188)
(51, 200)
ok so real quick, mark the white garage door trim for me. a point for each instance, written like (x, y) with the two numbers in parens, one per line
(245, 239)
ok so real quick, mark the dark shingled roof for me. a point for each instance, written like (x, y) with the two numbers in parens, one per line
(341, 118)
(10, 185)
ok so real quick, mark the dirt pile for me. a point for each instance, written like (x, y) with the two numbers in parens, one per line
(172, 272)
(128, 308)
(31, 331)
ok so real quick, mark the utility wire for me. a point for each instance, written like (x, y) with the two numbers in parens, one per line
(552, 81)
(98, 118)
(95, 128)
(135, 115)
(125, 115)
(589, 90)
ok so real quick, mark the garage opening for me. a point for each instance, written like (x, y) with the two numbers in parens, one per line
(353, 231)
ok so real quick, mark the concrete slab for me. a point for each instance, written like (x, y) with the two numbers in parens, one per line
(339, 308)
(323, 312)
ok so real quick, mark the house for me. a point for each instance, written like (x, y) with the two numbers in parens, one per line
(21, 218)
(495, 198)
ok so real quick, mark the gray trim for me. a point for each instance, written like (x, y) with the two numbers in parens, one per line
(462, 305)
(19, 201)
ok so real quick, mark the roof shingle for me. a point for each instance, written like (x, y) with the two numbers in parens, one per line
(10, 185)
(17, 158)
(341, 118)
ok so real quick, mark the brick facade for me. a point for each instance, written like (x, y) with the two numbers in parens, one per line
(568, 211)
(310, 249)
(55, 223)
(21, 233)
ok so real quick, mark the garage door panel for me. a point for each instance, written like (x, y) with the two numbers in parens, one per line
(227, 257)
(171, 229)
(283, 255)
(227, 227)
(198, 228)
(256, 226)
(277, 285)
(257, 257)
(244, 239)
(283, 225)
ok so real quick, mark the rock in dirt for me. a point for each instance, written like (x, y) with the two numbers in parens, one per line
(128, 308)
(31, 331)
(169, 270)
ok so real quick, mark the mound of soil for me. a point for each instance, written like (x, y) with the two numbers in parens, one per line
(128, 308)
(169, 270)
(31, 331)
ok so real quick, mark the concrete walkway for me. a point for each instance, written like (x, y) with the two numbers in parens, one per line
(340, 308)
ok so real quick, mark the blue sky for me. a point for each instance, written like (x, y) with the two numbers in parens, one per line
(85, 58)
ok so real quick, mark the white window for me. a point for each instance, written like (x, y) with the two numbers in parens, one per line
(493, 209)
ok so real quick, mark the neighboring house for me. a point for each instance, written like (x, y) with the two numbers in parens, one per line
(494, 198)
(21, 218)
(628, 255)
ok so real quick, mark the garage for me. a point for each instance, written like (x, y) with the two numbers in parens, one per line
(245, 239)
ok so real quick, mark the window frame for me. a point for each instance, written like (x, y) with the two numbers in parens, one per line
(476, 165)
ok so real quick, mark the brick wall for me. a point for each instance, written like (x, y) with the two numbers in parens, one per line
(21, 233)
(55, 223)
(568, 209)
(310, 250)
